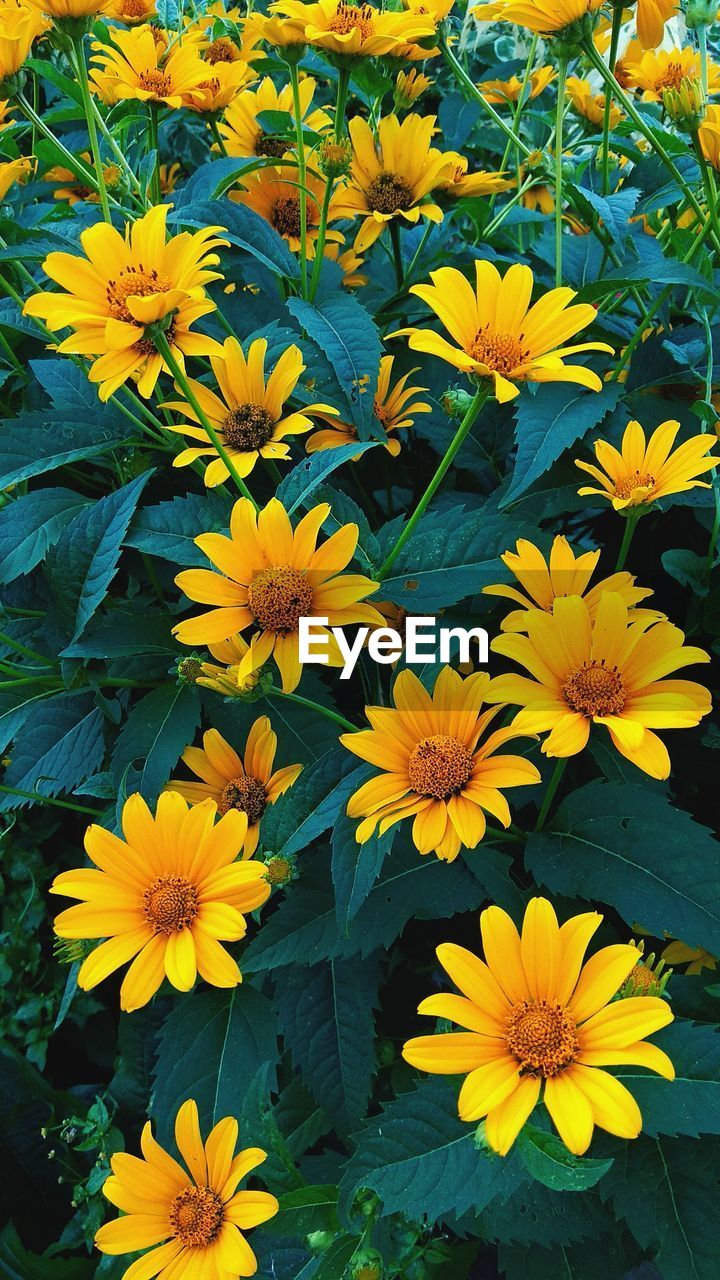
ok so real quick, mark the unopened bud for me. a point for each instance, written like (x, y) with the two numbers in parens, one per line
(700, 13)
(456, 402)
(335, 158)
(685, 105)
(279, 871)
(188, 669)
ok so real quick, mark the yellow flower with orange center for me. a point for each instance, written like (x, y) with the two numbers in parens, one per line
(189, 1221)
(607, 669)
(589, 104)
(456, 181)
(131, 12)
(164, 897)
(546, 17)
(239, 128)
(232, 782)
(123, 284)
(274, 194)
(359, 31)
(224, 82)
(642, 471)
(667, 69)
(392, 409)
(439, 766)
(538, 1023)
(499, 91)
(20, 25)
(271, 576)
(499, 335)
(137, 66)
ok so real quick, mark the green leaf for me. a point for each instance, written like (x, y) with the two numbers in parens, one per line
(303, 929)
(124, 633)
(548, 1160)
(533, 1214)
(567, 1262)
(169, 529)
(307, 1209)
(246, 229)
(628, 846)
(304, 478)
(211, 1048)
(312, 803)
(40, 441)
(548, 423)
(348, 338)
(689, 1104)
(157, 731)
(16, 1263)
(84, 560)
(61, 744)
(332, 1264)
(355, 867)
(31, 525)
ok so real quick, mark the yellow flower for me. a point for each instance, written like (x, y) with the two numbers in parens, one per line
(409, 86)
(696, 958)
(70, 8)
(650, 18)
(140, 67)
(437, 764)
(537, 1021)
(131, 12)
(164, 898)
(589, 104)
(563, 574)
(249, 419)
(72, 188)
(6, 120)
(271, 575)
(243, 136)
(20, 25)
(273, 193)
(247, 784)
(12, 171)
(223, 675)
(192, 1223)
(643, 471)
(498, 334)
(709, 135)
(667, 69)
(124, 284)
(169, 177)
(391, 178)
(605, 670)
(391, 410)
(349, 263)
(360, 31)
(221, 87)
(499, 91)
(456, 181)
(539, 198)
(547, 17)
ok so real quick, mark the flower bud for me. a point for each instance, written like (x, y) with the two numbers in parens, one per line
(456, 402)
(700, 13)
(685, 105)
(334, 158)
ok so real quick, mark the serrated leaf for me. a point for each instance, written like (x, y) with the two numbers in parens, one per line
(345, 333)
(548, 423)
(307, 1209)
(31, 525)
(124, 633)
(246, 229)
(533, 1214)
(689, 1104)
(548, 1160)
(168, 530)
(61, 744)
(304, 478)
(312, 804)
(157, 731)
(355, 867)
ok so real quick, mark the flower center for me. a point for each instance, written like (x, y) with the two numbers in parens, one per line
(146, 346)
(156, 82)
(171, 904)
(439, 766)
(285, 216)
(221, 50)
(501, 352)
(247, 795)
(672, 77)
(266, 144)
(278, 598)
(133, 9)
(133, 282)
(248, 427)
(388, 192)
(196, 1216)
(350, 17)
(641, 978)
(382, 414)
(542, 1037)
(595, 690)
(625, 485)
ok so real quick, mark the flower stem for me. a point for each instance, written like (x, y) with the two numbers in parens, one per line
(549, 796)
(82, 75)
(702, 42)
(154, 145)
(473, 410)
(630, 525)
(397, 253)
(519, 104)
(314, 706)
(76, 166)
(464, 79)
(302, 170)
(617, 19)
(163, 347)
(38, 799)
(559, 119)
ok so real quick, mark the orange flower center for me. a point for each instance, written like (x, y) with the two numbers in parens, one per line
(249, 426)
(196, 1216)
(133, 282)
(349, 17)
(170, 904)
(542, 1037)
(672, 77)
(388, 192)
(278, 598)
(500, 352)
(625, 485)
(133, 9)
(268, 145)
(641, 978)
(247, 795)
(439, 766)
(285, 216)
(156, 82)
(595, 690)
(221, 50)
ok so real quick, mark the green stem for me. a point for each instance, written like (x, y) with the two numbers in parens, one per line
(464, 79)
(314, 706)
(341, 102)
(320, 245)
(217, 136)
(702, 42)
(38, 799)
(473, 410)
(397, 253)
(630, 526)
(154, 145)
(82, 76)
(559, 118)
(612, 59)
(26, 653)
(76, 166)
(715, 531)
(302, 171)
(549, 796)
(163, 347)
(519, 105)
(709, 186)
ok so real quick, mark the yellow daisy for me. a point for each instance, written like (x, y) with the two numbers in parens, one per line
(409, 86)
(250, 419)
(546, 17)
(456, 181)
(222, 86)
(239, 128)
(360, 31)
(271, 575)
(651, 17)
(606, 670)
(192, 1222)
(643, 471)
(273, 193)
(131, 12)
(164, 897)
(349, 263)
(562, 574)
(537, 1022)
(392, 409)
(499, 335)
(247, 784)
(589, 104)
(499, 91)
(696, 958)
(438, 766)
(135, 65)
(665, 69)
(20, 25)
(123, 284)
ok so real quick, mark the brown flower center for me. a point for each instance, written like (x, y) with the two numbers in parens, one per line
(133, 9)
(501, 352)
(279, 597)
(595, 690)
(388, 192)
(250, 426)
(633, 480)
(285, 216)
(221, 50)
(266, 144)
(439, 766)
(196, 1216)
(350, 17)
(246, 794)
(170, 904)
(133, 282)
(672, 77)
(542, 1037)
(156, 82)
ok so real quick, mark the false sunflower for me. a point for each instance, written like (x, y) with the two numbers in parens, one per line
(438, 765)
(131, 12)
(696, 958)
(247, 784)
(709, 135)
(250, 418)
(273, 193)
(456, 181)
(359, 31)
(192, 1222)
(135, 65)
(70, 8)
(644, 470)
(606, 670)
(650, 19)
(562, 574)
(546, 17)
(589, 104)
(537, 1022)
(164, 897)
(498, 334)
(271, 575)
(393, 408)
(20, 25)
(124, 284)
(663, 69)
(409, 86)
(223, 82)
(391, 178)
(12, 171)
(239, 128)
